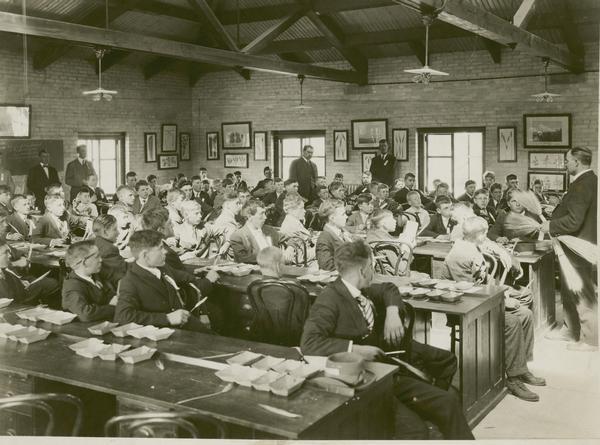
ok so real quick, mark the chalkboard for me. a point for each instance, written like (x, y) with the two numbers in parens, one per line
(21, 155)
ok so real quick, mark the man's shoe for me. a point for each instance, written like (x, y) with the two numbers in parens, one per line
(530, 379)
(562, 334)
(518, 389)
(582, 346)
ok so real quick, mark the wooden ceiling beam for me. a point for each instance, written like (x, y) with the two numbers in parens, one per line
(263, 40)
(110, 59)
(202, 8)
(466, 15)
(568, 29)
(524, 13)
(88, 35)
(494, 49)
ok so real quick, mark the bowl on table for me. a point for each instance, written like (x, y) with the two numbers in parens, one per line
(451, 297)
(430, 282)
(435, 295)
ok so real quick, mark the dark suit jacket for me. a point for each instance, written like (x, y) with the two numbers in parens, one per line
(144, 299)
(5, 210)
(151, 203)
(269, 198)
(12, 287)
(18, 223)
(327, 242)
(400, 196)
(576, 214)
(244, 246)
(494, 208)
(37, 181)
(465, 198)
(89, 302)
(436, 226)
(335, 318)
(46, 230)
(384, 171)
(361, 189)
(485, 214)
(306, 175)
(114, 266)
(75, 173)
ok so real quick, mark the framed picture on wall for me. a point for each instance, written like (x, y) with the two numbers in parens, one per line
(547, 130)
(235, 160)
(168, 162)
(260, 145)
(15, 121)
(554, 181)
(367, 158)
(367, 133)
(507, 144)
(400, 143)
(547, 160)
(340, 145)
(212, 146)
(184, 147)
(236, 134)
(169, 137)
(150, 147)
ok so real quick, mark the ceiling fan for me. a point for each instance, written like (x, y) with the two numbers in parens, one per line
(423, 75)
(301, 105)
(100, 93)
(546, 96)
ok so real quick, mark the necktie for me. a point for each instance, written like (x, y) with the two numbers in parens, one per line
(171, 282)
(365, 307)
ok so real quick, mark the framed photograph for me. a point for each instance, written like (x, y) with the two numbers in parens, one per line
(235, 160)
(340, 145)
(184, 147)
(400, 143)
(547, 160)
(150, 147)
(15, 121)
(507, 144)
(547, 130)
(168, 162)
(236, 134)
(553, 181)
(212, 146)
(367, 158)
(260, 145)
(169, 137)
(368, 132)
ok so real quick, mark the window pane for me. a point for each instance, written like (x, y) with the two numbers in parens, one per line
(107, 176)
(108, 149)
(291, 147)
(439, 145)
(439, 168)
(318, 143)
(476, 157)
(285, 173)
(320, 165)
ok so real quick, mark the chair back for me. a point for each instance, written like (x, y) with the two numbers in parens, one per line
(492, 263)
(46, 403)
(382, 251)
(211, 243)
(280, 310)
(300, 249)
(164, 425)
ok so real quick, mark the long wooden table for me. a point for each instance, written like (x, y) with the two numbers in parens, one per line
(143, 386)
(540, 269)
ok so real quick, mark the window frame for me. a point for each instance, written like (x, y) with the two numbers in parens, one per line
(279, 136)
(119, 138)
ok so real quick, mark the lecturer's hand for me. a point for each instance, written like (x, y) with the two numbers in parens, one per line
(369, 353)
(393, 329)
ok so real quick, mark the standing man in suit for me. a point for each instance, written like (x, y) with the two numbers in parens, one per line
(41, 176)
(383, 165)
(78, 170)
(304, 172)
(576, 216)
(354, 315)
(144, 200)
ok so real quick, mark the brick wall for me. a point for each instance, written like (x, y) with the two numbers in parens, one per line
(60, 111)
(461, 100)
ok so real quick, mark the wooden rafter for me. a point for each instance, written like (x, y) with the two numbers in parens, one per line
(203, 9)
(524, 13)
(418, 50)
(274, 31)
(568, 29)
(35, 26)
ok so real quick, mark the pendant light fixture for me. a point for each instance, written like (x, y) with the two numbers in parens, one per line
(301, 105)
(424, 74)
(546, 96)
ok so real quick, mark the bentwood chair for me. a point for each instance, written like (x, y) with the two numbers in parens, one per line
(48, 403)
(165, 425)
(299, 245)
(384, 250)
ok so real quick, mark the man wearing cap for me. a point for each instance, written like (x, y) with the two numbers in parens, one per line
(353, 315)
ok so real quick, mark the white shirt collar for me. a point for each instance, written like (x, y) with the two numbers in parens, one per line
(153, 270)
(85, 278)
(579, 174)
(43, 166)
(354, 292)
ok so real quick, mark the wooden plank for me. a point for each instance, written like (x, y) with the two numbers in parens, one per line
(524, 13)
(109, 60)
(483, 355)
(496, 342)
(494, 49)
(273, 32)
(468, 16)
(468, 352)
(203, 9)
(134, 42)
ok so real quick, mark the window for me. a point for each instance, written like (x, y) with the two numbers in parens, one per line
(451, 155)
(291, 148)
(106, 153)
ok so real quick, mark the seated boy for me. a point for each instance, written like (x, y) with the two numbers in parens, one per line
(53, 228)
(441, 224)
(113, 265)
(20, 224)
(83, 206)
(416, 208)
(158, 220)
(354, 315)
(360, 220)
(83, 292)
(151, 292)
(465, 262)
(5, 208)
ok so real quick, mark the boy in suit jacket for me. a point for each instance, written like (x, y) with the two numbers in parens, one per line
(480, 206)
(20, 224)
(441, 224)
(253, 237)
(356, 316)
(360, 220)
(53, 228)
(333, 235)
(144, 200)
(151, 292)
(83, 292)
(113, 264)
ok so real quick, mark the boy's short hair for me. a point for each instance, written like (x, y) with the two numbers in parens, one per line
(352, 254)
(251, 207)
(327, 207)
(495, 186)
(121, 189)
(102, 224)
(78, 251)
(364, 198)
(205, 181)
(144, 239)
(50, 199)
(381, 186)
(379, 215)
(510, 177)
(276, 180)
(440, 200)
(130, 174)
(237, 173)
(141, 183)
(183, 182)
(150, 178)
(409, 175)
(292, 202)
(480, 192)
(226, 182)
(195, 178)
(473, 226)
(489, 174)
(190, 206)
(290, 182)
(85, 191)
(155, 219)
(18, 197)
(582, 154)
(469, 182)
(412, 193)
(269, 256)
(173, 194)
(335, 185)
(267, 168)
